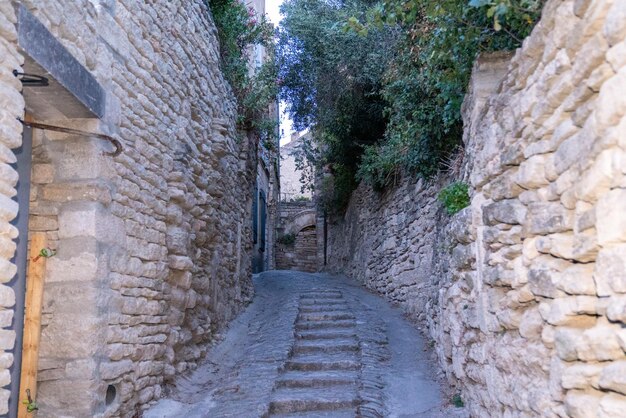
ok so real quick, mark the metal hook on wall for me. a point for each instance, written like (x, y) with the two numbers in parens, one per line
(117, 144)
(31, 80)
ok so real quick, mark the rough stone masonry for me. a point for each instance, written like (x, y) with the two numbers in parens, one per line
(152, 245)
(523, 292)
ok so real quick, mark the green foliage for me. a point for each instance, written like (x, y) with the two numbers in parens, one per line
(331, 80)
(336, 189)
(458, 401)
(455, 197)
(301, 199)
(426, 82)
(287, 239)
(240, 30)
(382, 83)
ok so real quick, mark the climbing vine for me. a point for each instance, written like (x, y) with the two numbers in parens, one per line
(241, 31)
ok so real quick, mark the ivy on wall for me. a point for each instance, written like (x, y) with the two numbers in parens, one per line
(240, 31)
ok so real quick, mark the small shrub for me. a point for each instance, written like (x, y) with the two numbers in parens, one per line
(287, 239)
(455, 197)
(301, 199)
(458, 401)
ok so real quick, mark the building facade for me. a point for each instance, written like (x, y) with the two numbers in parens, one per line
(135, 183)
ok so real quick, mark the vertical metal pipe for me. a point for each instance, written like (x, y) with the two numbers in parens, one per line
(325, 237)
(23, 167)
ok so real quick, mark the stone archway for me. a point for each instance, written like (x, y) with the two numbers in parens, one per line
(296, 246)
(301, 220)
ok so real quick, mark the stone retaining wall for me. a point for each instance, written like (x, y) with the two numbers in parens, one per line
(524, 291)
(154, 244)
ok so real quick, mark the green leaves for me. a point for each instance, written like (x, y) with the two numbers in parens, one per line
(382, 83)
(455, 197)
(519, 16)
(479, 3)
(241, 31)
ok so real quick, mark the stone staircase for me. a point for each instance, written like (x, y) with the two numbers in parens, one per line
(321, 377)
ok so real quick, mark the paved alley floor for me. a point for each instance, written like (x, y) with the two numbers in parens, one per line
(312, 346)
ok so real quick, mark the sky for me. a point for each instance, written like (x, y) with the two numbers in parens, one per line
(271, 9)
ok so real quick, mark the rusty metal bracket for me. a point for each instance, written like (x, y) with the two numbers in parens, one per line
(117, 144)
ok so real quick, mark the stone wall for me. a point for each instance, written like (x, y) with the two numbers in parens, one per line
(154, 244)
(523, 292)
(11, 106)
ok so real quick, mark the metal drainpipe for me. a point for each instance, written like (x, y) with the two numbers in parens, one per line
(325, 238)
(23, 167)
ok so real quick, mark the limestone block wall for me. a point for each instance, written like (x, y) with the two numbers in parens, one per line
(11, 106)
(522, 292)
(153, 245)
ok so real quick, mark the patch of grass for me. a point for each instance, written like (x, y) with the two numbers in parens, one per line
(455, 197)
(458, 401)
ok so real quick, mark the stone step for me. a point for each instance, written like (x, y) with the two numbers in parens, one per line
(289, 400)
(321, 296)
(324, 308)
(344, 413)
(322, 334)
(309, 379)
(326, 346)
(321, 292)
(346, 323)
(321, 301)
(323, 361)
(324, 316)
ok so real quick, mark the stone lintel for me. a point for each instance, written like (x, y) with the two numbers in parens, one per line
(73, 92)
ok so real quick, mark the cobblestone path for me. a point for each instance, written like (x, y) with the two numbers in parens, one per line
(311, 346)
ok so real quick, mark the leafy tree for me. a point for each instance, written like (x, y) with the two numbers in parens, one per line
(332, 80)
(426, 82)
(382, 83)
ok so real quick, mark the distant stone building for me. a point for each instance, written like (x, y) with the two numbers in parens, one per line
(300, 227)
(295, 182)
(299, 230)
(145, 196)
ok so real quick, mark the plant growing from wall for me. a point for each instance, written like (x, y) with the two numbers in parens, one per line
(455, 197)
(240, 32)
(457, 401)
(287, 239)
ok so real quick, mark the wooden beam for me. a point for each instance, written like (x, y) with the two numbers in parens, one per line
(32, 321)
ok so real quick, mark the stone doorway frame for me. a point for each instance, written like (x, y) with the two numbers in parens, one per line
(72, 96)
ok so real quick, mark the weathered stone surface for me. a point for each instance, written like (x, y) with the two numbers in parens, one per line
(544, 156)
(610, 223)
(132, 230)
(508, 211)
(549, 217)
(610, 270)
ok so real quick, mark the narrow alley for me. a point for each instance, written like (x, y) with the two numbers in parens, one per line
(317, 346)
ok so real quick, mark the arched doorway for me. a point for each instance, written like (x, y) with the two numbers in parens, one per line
(296, 246)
